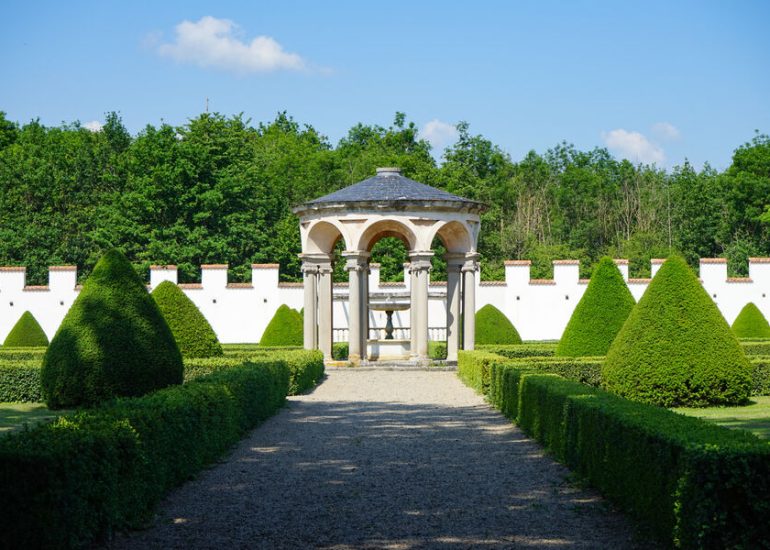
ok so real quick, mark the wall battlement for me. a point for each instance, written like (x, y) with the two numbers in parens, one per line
(239, 312)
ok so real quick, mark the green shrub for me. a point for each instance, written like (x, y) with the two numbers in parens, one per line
(473, 368)
(586, 370)
(544, 349)
(340, 351)
(695, 484)
(191, 330)
(70, 482)
(26, 333)
(306, 367)
(20, 381)
(676, 349)
(761, 375)
(599, 315)
(112, 342)
(750, 323)
(284, 329)
(437, 350)
(756, 347)
(22, 354)
(493, 327)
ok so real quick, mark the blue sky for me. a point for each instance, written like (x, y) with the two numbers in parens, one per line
(653, 81)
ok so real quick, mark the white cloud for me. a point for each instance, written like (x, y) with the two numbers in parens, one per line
(94, 126)
(438, 133)
(666, 131)
(633, 146)
(212, 42)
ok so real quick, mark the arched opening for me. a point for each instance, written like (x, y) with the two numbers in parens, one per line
(386, 228)
(322, 238)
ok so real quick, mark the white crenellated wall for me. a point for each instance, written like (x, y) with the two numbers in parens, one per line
(239, 312)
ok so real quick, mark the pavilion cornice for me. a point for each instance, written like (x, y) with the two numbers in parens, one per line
(406, 206)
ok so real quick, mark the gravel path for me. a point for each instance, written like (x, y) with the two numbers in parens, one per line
(385, 459)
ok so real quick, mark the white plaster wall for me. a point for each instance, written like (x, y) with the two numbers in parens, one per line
(239, 313)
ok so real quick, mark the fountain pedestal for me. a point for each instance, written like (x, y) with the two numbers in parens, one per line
(389, 348)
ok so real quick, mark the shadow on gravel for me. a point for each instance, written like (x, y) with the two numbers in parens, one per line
(386, 475)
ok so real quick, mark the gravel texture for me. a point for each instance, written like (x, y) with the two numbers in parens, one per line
(385, 459)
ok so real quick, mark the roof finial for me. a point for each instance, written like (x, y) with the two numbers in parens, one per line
(389, 171)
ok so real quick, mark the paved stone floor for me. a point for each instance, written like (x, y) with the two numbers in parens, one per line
(385, 459)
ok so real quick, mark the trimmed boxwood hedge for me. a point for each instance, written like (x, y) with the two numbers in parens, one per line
(192, 332)
(756, 347)
(284, 329)
(20, 381)
(113, 341)
(599, 315)
(26, 333)
(527, 349)
(676, 349)
(761, 375)
(71, 482)
(694, 484)
(493, 327)
(750, 323)
(306, 367)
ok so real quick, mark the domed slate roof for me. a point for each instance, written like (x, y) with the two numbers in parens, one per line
(390, 186)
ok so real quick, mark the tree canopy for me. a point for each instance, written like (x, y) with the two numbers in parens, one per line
(219, 189)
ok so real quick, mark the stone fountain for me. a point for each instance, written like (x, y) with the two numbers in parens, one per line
(389, 348)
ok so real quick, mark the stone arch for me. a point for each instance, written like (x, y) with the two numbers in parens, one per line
(322, 236)
(386, 228)
(455, 237)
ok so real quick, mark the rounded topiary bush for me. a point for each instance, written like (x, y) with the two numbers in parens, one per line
(284, 329)
(113, 341)
(493, 327)
(676, 349)
(599, 315)
(26, 333)
(750, 323)
(192, 332)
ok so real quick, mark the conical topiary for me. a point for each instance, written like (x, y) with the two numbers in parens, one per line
(599, 315)
(192, 332)
(26, 333)
(750, 323)
(113, 341)
(675, 348)
(284, 329)
(493, 327)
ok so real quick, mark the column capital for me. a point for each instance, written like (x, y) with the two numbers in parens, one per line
(420, 260)
(308, 268)
(356, 260)
(453, 259)
(471, 262)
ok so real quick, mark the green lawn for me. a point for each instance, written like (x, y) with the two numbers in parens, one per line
(754, 417)
(14, 415)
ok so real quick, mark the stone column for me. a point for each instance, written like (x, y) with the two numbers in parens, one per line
(412, 313)
(469, 300)
(364, 280)
(325, 309)
(310, 313)
(421, 268)
(356, 267)
(454, 283)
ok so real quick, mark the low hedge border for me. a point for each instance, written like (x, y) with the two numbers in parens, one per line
(695, 484)
(756, 347)
(72, 482)
(512, 351)
(20, 354)
(306, 367)
(20, 381)
(761, 375)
